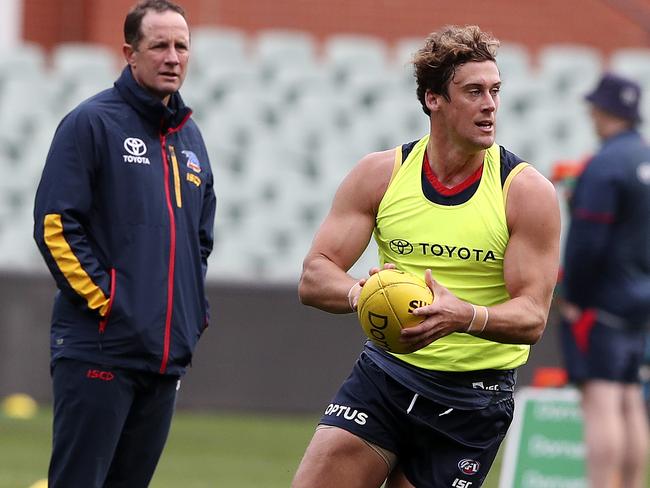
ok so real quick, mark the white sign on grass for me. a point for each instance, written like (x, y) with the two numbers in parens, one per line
(545, 447)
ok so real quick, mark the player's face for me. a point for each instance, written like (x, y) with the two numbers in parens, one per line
(470, 113)
(159, 62)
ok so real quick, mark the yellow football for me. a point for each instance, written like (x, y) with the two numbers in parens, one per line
(386, 303)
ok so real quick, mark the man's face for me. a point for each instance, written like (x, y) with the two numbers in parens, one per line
(599, 119)
(606, 124)
(469, 115)
(159, 61)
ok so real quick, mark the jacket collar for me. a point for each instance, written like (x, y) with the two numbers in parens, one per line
(165, 117)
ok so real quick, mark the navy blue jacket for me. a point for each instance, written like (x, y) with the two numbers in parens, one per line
(607, 254)
(124, 219)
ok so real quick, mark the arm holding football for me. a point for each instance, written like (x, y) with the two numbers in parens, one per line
(530, 271)
(344, 235)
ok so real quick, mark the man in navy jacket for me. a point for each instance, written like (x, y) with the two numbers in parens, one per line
(124, 219)
(606, 288)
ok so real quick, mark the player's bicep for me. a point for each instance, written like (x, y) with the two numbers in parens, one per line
(348, 227)
(345, 232)
(532, 257)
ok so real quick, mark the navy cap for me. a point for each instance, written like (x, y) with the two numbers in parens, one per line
(618, 96)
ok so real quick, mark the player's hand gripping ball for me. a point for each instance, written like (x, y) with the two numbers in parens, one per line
(386, 303)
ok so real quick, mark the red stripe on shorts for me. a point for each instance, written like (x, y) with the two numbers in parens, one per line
(582, 327)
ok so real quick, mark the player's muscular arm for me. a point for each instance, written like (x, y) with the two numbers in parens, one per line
(531, 261)
(345, 234)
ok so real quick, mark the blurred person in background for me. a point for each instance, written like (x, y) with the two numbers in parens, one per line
(123, 217)
(435, 417)
(605, 302)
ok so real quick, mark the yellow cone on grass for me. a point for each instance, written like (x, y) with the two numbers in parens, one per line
(19, 406)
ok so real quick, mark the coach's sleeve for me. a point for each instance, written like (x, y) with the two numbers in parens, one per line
(61, 211)
(206, 229)
(594, 210)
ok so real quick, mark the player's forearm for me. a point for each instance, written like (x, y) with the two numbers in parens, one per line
(324, 285)
(517, 321)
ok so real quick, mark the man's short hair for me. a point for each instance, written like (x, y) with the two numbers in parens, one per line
(133, 20)
(435, 63)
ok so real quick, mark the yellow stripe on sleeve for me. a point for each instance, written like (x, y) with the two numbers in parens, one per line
(514, 172)
(177, 180)
(396, 164)
(70, 265)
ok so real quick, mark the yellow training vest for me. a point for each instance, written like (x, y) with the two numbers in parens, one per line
(463, 245)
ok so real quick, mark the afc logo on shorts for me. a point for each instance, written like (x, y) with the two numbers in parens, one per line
(468, 466)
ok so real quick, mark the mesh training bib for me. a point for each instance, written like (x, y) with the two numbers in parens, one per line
(462, 244)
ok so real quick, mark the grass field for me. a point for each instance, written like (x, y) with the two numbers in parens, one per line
(205, 450)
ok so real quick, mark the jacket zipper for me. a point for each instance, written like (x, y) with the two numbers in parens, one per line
(172, 238)
(172, 257)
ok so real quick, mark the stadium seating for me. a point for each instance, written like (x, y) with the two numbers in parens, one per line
(82, 60)
(633, 62)
(277, 49)
(26, 60)
(284, 119)
(514, 61)
(26, 111)
(215, 47)
(344, 53)
(569, 70)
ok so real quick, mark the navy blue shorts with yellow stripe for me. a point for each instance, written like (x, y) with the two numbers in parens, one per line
(436, 445)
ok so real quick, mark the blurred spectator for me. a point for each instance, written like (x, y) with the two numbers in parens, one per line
(606, 288)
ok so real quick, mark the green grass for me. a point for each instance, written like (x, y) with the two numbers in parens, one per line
(24, 450)
(233, 450)
(204, 450)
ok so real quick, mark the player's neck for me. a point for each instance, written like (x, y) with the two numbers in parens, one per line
(451, 164)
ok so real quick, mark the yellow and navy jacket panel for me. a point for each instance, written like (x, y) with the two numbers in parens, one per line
(123, 217)
(462, 238)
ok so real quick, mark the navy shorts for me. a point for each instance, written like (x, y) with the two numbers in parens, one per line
(436, 446)
(595, 350)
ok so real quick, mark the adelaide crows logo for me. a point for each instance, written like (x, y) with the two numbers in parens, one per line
(192, 161)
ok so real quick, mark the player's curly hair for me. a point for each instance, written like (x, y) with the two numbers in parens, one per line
(435, 63)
